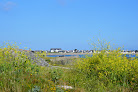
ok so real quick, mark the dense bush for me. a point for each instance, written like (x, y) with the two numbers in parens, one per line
(20, 74)
(107, 72)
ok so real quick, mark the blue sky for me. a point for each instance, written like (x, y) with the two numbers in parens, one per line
(69, 24)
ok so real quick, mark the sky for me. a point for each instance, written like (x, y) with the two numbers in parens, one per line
(69, 24)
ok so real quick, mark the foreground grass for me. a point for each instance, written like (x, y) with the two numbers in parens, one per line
(102, 72)
(105, 72)
(20, 74)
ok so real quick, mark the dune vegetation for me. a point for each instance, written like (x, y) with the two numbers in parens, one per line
(103, 72)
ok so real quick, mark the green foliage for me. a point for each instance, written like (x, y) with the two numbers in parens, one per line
(35, 89)
(58, 61)
(19, 74)
(108, 70)
(55, 75)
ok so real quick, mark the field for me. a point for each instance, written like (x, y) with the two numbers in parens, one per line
(103, 72)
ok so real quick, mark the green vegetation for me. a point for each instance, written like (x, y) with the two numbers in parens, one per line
(57, 61)
(106, 72)
(101, 73)
(19, 74)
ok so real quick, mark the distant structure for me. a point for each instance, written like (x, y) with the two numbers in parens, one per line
(55, 50)
(59, 50)
(136, 51)
(75, 50)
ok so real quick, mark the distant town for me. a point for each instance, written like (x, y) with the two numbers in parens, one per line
(59, 50)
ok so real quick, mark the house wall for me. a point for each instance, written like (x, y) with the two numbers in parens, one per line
(52, 51)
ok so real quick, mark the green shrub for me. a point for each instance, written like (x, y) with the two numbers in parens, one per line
(105, 71)
(19, 74)
(109, 70)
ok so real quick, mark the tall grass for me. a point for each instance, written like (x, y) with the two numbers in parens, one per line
(18, 73)
(103, 72)
(108, 70)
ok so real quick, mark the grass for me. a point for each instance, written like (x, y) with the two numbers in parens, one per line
(101, 73)
(106, 72)
(57, 61)
(20, 74)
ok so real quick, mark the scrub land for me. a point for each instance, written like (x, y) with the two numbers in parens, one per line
(23, 71)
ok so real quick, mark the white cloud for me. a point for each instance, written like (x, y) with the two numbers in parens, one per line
(8, 5)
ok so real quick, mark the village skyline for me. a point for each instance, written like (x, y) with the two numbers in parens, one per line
(59, 50)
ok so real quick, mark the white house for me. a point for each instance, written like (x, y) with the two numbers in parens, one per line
(133, 52)
(55, 50)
